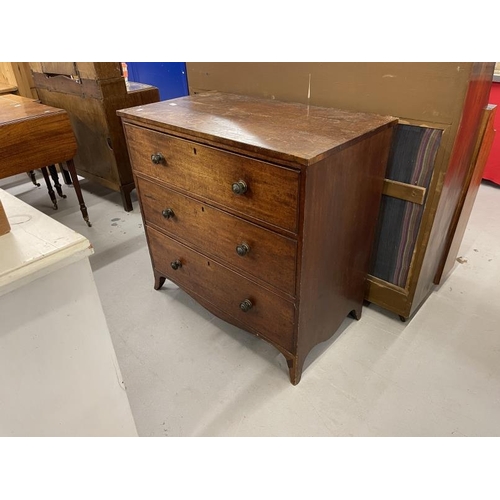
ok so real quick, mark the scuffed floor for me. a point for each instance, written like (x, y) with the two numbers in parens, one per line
(190, 374)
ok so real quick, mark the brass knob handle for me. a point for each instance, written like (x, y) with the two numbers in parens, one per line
(168, 213)
(176, 264)
(240, 187)
(242, 249)
(246, 305)
(157, 158)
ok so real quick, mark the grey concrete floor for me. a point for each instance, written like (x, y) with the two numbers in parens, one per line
(190, 374)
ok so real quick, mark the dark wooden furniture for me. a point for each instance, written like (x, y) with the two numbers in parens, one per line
(33, 136)
(445, 97)
(91, 93)
(261, 210)
(471, 184)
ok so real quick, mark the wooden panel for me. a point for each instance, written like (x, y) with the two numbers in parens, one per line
(83, 70)
(99, 70)
(335, 263)
(60, 68)
(448, 191)
(36, 67)
(102, 152)
(88, 119)
(84, 88)
(271, 257)
(272, 194)
(27, 135)
(415, 194)
(18, 74)
(7, 88)
(146, 94)
(283, 131)
(270, 315)
(7, 73)
(469, 192)
(388, 296)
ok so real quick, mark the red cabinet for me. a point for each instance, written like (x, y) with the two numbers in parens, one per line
(492, 169)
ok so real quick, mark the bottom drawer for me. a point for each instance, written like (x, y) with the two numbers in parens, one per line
(258, 309)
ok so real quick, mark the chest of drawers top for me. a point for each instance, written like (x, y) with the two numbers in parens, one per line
(290, 134)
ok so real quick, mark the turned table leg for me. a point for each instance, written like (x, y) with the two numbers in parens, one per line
(31, 175)
(65, 174)
(78, 191)
(49, 187)
(55, 178)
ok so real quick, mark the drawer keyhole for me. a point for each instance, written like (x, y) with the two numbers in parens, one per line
(176, 264)
(246, 305)
(240, 187)
(242, 249)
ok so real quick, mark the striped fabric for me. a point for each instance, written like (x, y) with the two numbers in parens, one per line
(411, 161)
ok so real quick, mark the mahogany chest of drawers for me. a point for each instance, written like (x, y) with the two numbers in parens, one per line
(263, 211)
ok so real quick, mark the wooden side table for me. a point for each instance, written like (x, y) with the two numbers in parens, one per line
(33, 135)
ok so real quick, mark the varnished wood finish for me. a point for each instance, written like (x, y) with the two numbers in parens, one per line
(453, 183)
(217, 234)
(81, 70)
(403, 191)
(28, 126)
(33, 135)
(91, 98)
(209, 173)
(336, 239)
(310, 226)
(312, 133)
(387, 295)
(270, 315)
(469, 192)
(50, 190)
(422, 94)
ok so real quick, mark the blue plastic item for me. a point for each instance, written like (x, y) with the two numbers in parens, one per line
(169, 77)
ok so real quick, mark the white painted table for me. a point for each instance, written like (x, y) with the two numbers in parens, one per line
(59, 375)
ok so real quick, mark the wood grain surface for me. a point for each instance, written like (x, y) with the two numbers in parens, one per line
(271, 256)
(270, 314)
(288, 131)
(209, 173)
(27, 135)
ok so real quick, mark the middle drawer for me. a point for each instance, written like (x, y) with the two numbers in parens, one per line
(245, 246)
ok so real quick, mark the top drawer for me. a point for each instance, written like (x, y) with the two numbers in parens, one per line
(271, 191)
